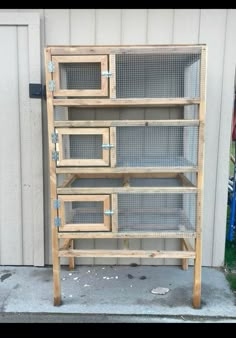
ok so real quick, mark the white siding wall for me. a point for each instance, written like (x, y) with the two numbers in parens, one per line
(217, 28)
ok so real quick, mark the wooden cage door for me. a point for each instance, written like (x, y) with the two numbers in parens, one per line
(80, 76)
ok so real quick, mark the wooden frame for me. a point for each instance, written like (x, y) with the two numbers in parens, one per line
(105, 226)
(65, 192)
(104, 161)
(102, 59)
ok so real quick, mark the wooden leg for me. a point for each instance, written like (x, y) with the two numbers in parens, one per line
(197, 275)
(71, 259)
(184, 260)
(56, 269)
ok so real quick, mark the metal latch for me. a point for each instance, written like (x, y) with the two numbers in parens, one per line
(108, 212)
(107, 146)
(106, 73)
(55, 155)
(51, 66)
(57, 221)
(51, 85)
(54, 137)
(56, 204)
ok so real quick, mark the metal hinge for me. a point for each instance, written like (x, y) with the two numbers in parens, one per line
(51, 85)
(108, 212)
(56, 204)
(55, 155)
(51, 66)
(106, 73)
(107, 146)
(57, 221)
(54, 137)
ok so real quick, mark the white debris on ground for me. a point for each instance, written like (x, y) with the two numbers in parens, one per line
(70, 274)
(86, 285)
(75, 278)
(88, 271)
(131, 286)
(116, 277)
(70, 296)
(63, 279)
(160, 291)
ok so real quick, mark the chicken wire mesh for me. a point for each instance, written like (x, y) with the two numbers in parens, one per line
(165, 146)
(77, 212)
(82, 146)
(81, 75)
(166, 75)
(156, 212)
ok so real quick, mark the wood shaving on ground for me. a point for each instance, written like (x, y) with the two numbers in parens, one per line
(160, 291)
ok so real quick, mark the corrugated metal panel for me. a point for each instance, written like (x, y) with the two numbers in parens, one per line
(164, 26)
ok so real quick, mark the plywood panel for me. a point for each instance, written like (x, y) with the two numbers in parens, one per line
(82, 26)
(186, 26)
(224, 139)
(134, 24)
(10, 166)
(208, 34)
(108, 25)
(57, 26)
(160, 26)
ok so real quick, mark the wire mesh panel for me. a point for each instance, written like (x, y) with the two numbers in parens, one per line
(164, 146)
(84, 213)
(160, 75)
(83, 146)
(80, 75)
(156, 212)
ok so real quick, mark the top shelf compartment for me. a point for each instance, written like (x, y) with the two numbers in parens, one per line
(146, 75)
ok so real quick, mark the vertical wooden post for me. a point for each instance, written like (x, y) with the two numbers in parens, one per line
(71, 259)
(200, 179)
(184, 260)
(53, 193)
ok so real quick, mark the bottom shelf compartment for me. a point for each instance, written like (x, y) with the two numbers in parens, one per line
(129, 212)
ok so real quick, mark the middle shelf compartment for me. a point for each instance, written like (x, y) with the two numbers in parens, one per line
(127, 144)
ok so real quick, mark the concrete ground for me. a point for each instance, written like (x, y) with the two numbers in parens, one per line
(114, 294)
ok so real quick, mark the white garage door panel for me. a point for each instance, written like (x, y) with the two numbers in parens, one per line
(21, 213)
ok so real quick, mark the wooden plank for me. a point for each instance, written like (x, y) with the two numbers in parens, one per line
(126, 253)
(68, 180)
(112, 82)
(71, 259)
(184, 260)
(85, 198)
(125, 123)
(126, 189)
(200, 183)
(160, 234)
(125, 102)
(114, 207)
(121, 175)
(126, 49)
(84, 227)
(66, 244)
(187, 245)
(53, 194)
(132, 170)
(185, 181)
(107, 218)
